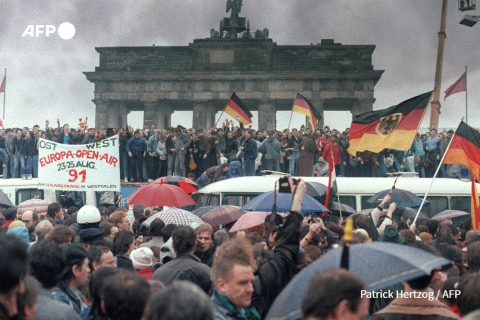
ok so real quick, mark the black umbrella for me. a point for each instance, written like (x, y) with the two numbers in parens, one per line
(378, 264)
(4, 200)
(410, 213)
(316, 189)
(346, 210)
(402, 198)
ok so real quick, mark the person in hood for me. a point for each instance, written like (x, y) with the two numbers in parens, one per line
(321, 168)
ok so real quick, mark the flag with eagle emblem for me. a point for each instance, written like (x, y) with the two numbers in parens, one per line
(392, 128)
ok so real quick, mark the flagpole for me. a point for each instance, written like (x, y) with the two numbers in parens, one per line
(339, 206)
(221, 114)
(434, 176)
(4, 93)
(291, 114)
(466, 97)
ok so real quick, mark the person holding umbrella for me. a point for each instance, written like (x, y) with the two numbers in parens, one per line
(335, 294)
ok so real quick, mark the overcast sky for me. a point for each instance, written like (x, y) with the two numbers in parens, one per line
(45, 79)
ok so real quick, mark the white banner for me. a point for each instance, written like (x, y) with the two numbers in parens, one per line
(84, 167)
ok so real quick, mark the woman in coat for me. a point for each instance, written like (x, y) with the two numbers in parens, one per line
(306, 158)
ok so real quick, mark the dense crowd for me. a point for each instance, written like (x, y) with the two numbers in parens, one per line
(146, 154)
(109, 263)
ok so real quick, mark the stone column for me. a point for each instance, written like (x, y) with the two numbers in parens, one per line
(267, 119)
(164, 114)
(362, 106)
(113, 116)
(101, 113)
(122, 114)
(320, 106)
(203, 114)
(149, 113)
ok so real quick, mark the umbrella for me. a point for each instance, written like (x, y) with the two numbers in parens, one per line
(410, 213)
(157, 195)
(187, 185)
(249, 220)
(222, 214)
(405, 212)
(199, 212)
(174, 216)
(316, 189)
(35, 205)
(264, 202)
(4, 200)
(402, 198)
(449, 214)
(346, 209)
(378, 264)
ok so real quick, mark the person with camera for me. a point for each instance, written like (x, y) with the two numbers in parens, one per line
(245, 290)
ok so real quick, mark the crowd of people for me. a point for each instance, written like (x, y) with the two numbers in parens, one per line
(146, 154)
(109, 263)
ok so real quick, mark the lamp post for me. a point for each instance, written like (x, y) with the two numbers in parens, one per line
(435, 104)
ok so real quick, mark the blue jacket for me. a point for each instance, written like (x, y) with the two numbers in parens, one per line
(135, 145)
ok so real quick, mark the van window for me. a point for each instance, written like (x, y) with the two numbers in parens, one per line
(214, 200)
(460, 203)
(435, 205)
(349, 201)
(366, 205)
(237, 200)
(200, 199)
(26, 194)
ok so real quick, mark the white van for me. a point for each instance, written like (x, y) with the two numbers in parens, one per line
(444, 194)
(20, 190)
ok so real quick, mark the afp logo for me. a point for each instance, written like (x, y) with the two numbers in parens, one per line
(66, 30)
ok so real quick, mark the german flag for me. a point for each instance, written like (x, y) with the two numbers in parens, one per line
(236, 109)
(303, 106)
(465, 149)
(392, 128)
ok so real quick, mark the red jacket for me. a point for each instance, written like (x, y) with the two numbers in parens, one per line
(337, 154)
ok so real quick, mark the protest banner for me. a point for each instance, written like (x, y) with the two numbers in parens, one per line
(85, 167)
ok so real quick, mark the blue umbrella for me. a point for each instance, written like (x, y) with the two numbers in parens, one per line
(378, 264)
(264, 202)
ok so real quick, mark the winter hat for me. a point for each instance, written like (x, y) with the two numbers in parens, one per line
(91, 235)
(16, 223)
(74, 253)
(142, 258)
(10, 213)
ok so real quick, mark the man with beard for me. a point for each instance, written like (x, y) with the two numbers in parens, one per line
(30, 219)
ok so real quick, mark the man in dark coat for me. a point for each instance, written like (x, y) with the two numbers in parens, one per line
(184, 242)
(232, 267)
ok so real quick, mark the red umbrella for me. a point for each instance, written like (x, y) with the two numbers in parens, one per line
(159, 195)
(249, 219)
(187, 185)
(222, 215)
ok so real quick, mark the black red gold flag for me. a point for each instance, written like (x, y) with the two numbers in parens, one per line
(392, 128)
(236, 109)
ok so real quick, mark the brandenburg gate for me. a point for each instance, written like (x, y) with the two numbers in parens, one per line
(202, 76)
